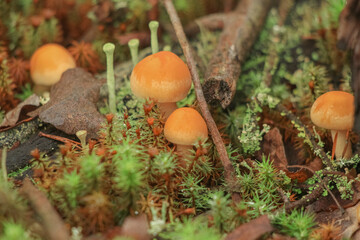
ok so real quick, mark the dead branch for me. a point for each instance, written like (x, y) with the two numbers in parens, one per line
(308, 199)
(240, 32)
(228, 5)
(211, 22)
(324, 184)
(52, 222)
(218, 141)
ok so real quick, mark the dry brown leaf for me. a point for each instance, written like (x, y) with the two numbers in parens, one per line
(135, 228)
(351, 231)
(327, 212)
(252, 230)
(273, 147)
(72, 105)
(19, 113)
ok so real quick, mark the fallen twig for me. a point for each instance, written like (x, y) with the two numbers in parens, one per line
(235, 42)
(212, 22)
(52, 222)
(283, 195)
(228, 5)
(324, 185)
(61, 139)
(308, 199)
(218, 141)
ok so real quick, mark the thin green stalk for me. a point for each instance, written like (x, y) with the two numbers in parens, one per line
(154, 25)
(167, 48)
(134, 50)
(3, 164)
(109, 48)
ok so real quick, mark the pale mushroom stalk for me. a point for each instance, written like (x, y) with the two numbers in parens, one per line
(109, 48)
(134, 50)
(183, 150)
(3, 165)
(166, 108)
(40, 89)
(154, 25)
(341, 143)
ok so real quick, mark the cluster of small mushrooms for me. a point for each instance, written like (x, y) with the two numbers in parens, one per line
(165, 78)
(162, 76)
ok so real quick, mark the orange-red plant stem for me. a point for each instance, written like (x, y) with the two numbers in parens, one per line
(61, 139)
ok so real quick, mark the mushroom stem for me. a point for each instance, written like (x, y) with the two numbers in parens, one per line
(40, 89)
(184, 153)
(341, 144)
(109, 48)
(166, 108)
(154, 25)
(134, 50)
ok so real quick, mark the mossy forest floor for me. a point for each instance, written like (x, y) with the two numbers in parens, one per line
(126, 181)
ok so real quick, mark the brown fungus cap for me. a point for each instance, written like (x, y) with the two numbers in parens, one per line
(184, 126)
(48, 63)
(162, 76)
(334, 110)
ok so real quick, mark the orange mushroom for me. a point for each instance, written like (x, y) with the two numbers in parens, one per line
(184, 127)
(335, 111)
(162, 76)
(48, 63)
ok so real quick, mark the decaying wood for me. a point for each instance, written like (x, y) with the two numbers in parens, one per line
(308, 199)
(349, 38)
(228, 5)
(19, 156)
(52, 222)
(19, 133)
(229, 171)
(211, 22)
(240, 32)
(324, 184)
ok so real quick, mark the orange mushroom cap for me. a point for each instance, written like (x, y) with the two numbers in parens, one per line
(48, 63)
(162, 76)
(334, 110)
(184, 126)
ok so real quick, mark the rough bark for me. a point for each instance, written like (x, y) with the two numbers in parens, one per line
(212, 22)
(240, 32)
